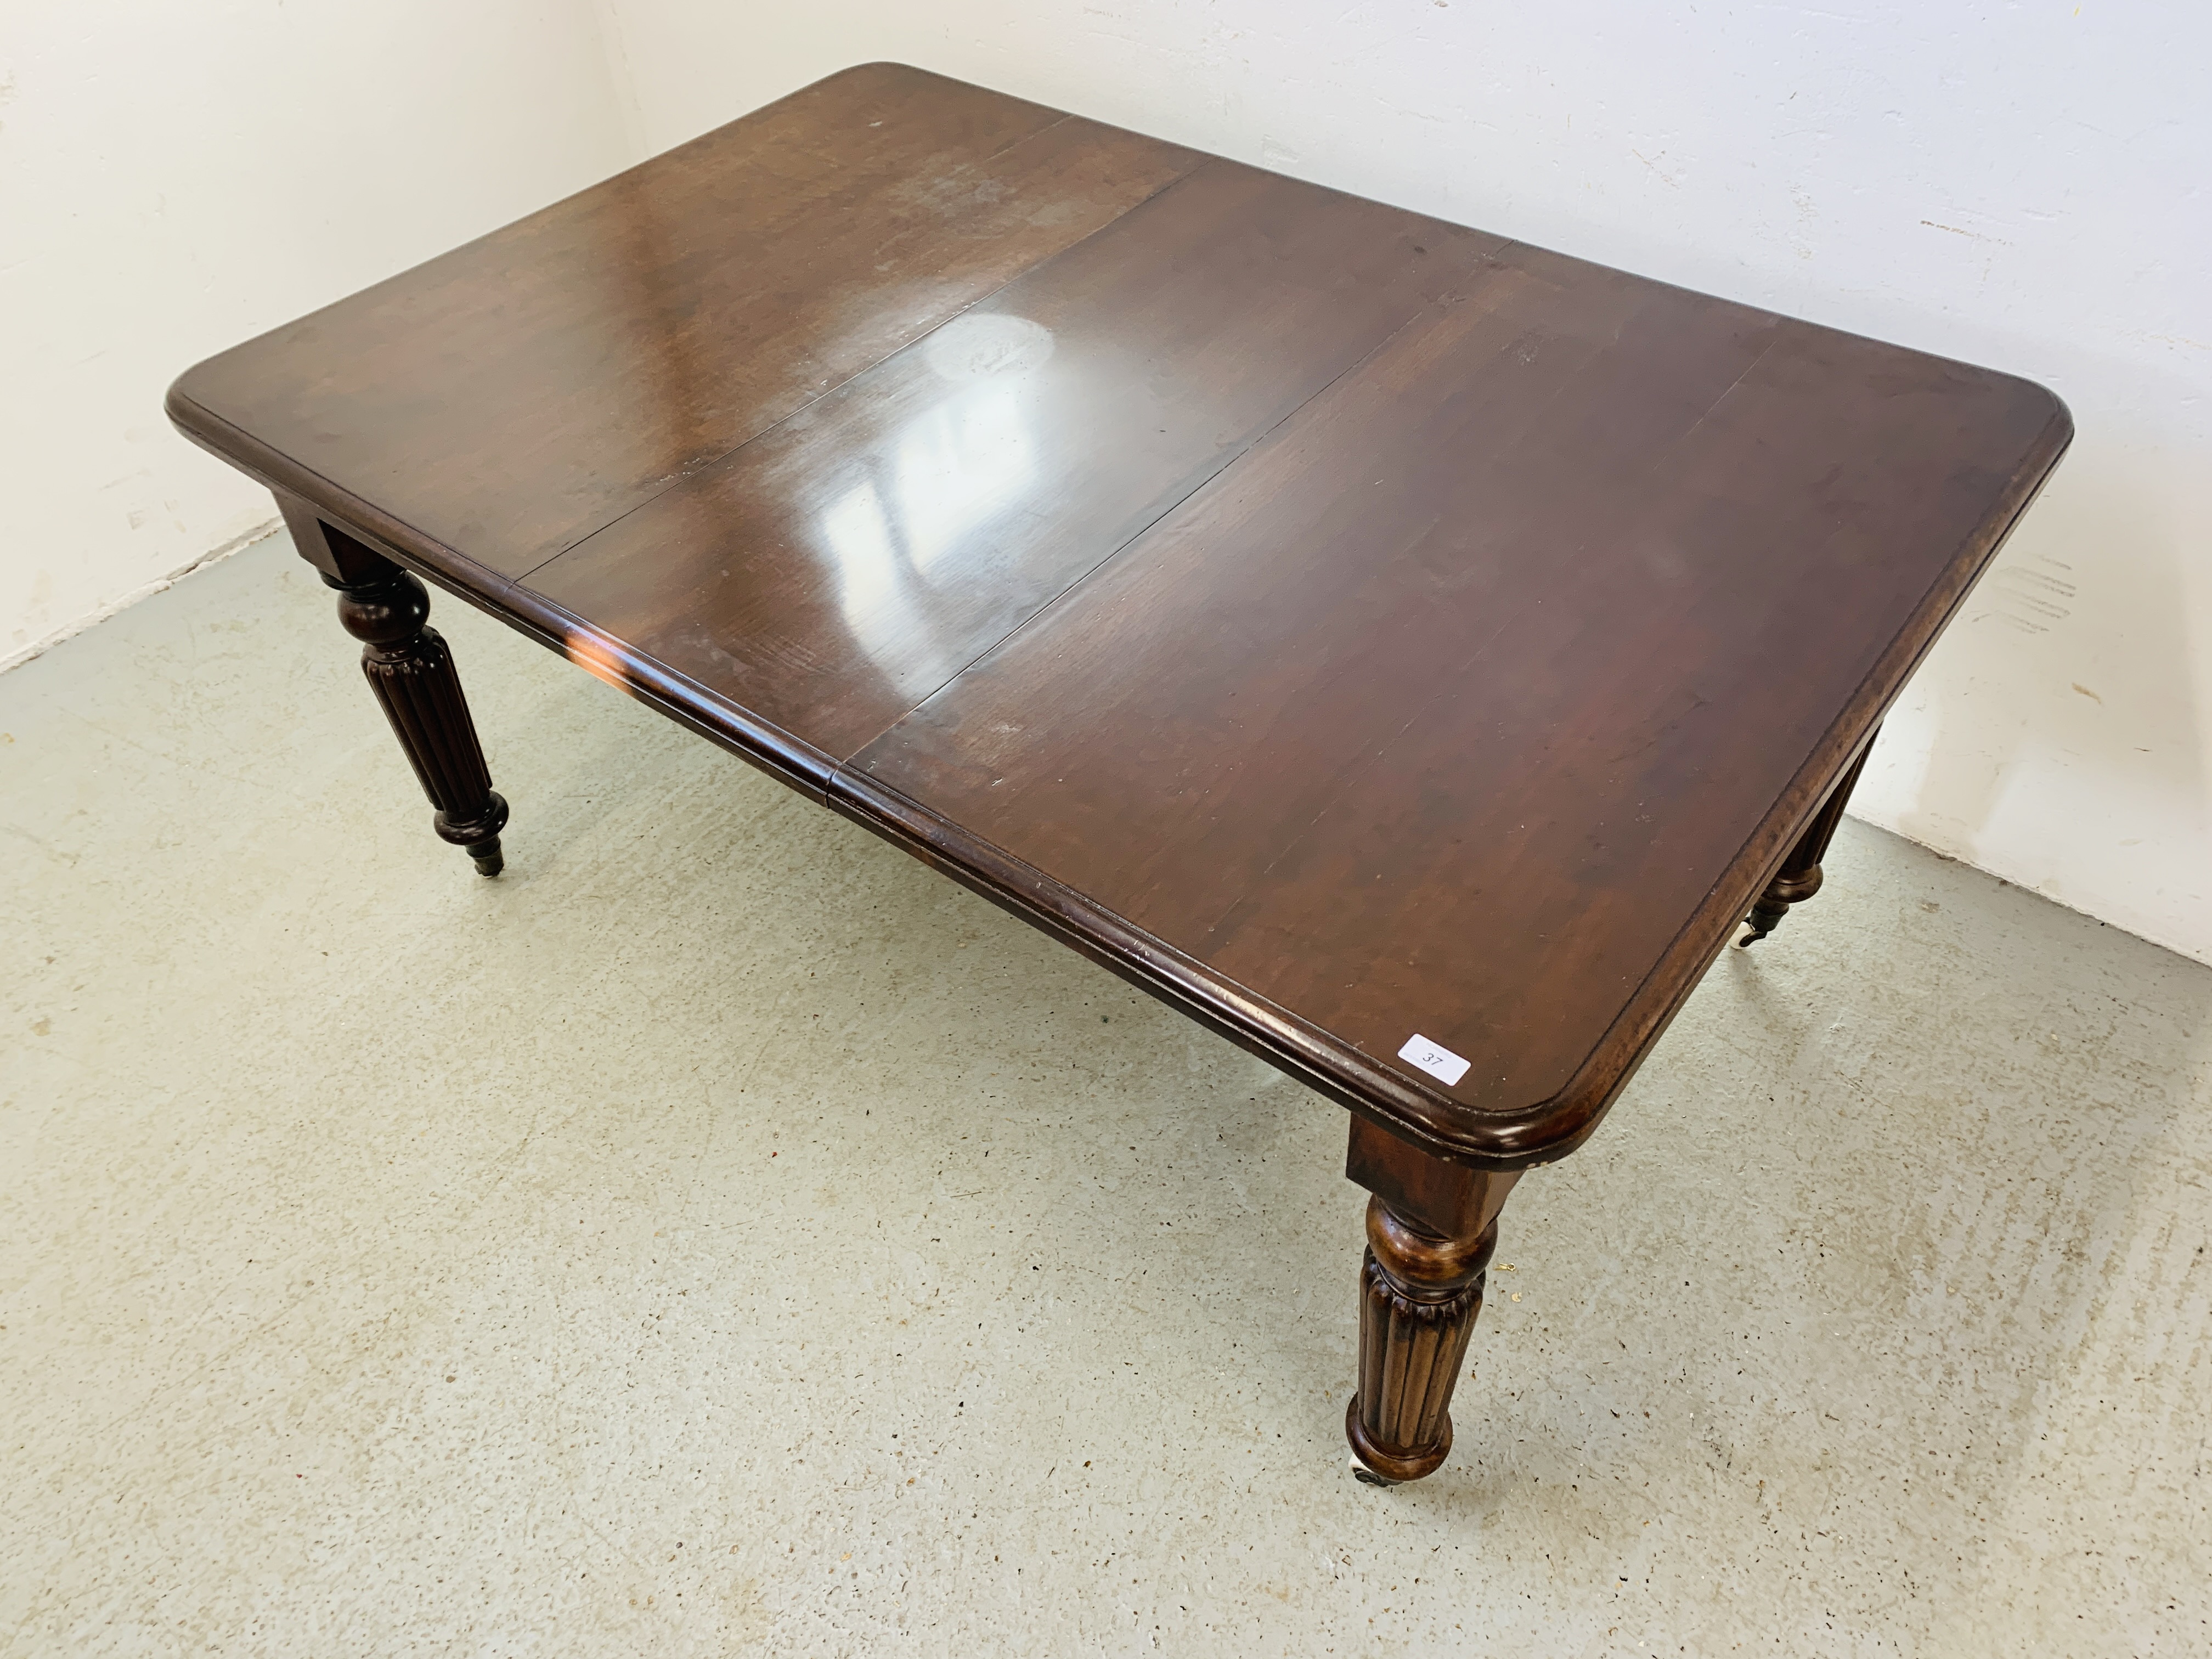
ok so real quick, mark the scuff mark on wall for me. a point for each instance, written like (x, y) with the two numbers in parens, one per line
(1970, 235)
(2028, 596)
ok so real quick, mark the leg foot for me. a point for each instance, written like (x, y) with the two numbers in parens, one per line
(1360, 1471)
(1799, 878)
(479, 836)
(1792, 887)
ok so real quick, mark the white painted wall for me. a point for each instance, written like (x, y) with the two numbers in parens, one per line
(2018, 184)
(174, 177)
(2022, 185)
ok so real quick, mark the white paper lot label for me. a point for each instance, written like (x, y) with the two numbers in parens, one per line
(1438, 1062)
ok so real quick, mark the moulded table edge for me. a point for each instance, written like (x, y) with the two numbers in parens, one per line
(776, 752)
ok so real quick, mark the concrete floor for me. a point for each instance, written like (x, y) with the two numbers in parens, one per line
(722, 1234)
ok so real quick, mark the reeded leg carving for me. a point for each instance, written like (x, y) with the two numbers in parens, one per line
(1419, 1296)
(1799, 878)
(1432, 1228)
(411, 672)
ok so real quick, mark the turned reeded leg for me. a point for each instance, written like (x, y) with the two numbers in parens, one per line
(411, 672)
(1799, 878)
(1432, 1228)
(1418, 1294)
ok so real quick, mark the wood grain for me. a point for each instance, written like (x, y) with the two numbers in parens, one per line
(1453, 706)
(1340, 623)
(509, 397)
(833, 573)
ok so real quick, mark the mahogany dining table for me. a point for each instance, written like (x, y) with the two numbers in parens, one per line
(1409, 653)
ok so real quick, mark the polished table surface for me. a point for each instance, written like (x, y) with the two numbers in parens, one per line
(1348, 625)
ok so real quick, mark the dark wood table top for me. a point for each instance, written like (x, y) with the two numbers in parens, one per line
(1345, 625)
